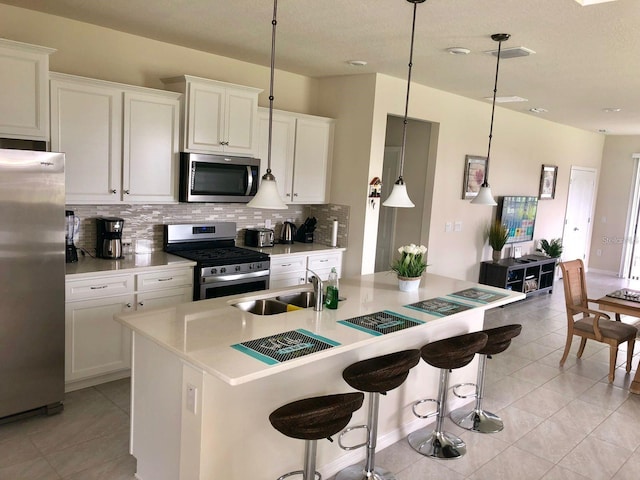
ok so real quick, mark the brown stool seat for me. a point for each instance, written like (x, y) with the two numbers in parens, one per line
(500, 338)
(316, 417)
(455, 352)
(383, 373)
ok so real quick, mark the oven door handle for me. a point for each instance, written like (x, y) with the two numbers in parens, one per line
(236, 276)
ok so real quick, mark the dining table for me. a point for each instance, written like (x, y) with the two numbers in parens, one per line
(623, 302)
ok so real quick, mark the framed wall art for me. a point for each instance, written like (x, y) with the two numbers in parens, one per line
(548, 177)
(474, 171)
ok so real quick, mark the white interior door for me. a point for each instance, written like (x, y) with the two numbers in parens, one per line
(577, 223)
(387, 218)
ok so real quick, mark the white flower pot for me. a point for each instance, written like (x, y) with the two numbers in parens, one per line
(407, 284)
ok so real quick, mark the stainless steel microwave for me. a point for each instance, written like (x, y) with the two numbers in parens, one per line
(218, 178)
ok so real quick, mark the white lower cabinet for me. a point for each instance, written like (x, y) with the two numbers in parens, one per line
(97, 348)
(292, 270)
(288, 271)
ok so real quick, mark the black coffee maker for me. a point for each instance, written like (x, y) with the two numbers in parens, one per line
(72, 223)
(109, 237)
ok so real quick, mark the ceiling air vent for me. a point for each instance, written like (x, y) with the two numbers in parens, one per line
(511, 52)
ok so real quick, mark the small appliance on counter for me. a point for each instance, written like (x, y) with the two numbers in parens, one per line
(288, 233)
(304, 234)
(259, 237)
(109, 237)
(72, 223)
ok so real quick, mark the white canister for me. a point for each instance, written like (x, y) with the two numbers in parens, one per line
(334, 234)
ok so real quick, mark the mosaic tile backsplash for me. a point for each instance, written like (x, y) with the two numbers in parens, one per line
(144, 222)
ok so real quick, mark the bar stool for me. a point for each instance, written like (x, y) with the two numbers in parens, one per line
(376, 376)
(312, 419)
(447, 354)
(477, 419)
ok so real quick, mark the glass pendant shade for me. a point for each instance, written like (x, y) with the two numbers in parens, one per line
(267, 196)
(399, 197)
(484, 197)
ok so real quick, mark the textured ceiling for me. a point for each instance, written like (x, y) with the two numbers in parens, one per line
(587, 58)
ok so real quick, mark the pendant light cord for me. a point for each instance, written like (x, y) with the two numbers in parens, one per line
(274, 23)
(406, 103)
(493, 110)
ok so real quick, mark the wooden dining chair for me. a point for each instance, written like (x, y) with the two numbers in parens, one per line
(592, 324)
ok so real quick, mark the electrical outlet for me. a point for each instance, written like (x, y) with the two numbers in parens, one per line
(599, 252)
(267, 223)
(448, 227)
(457, 227)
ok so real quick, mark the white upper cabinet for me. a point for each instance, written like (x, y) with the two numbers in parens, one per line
(219, 117)
(150, 147)
(24, 92)
(300, 155)
(120, 142)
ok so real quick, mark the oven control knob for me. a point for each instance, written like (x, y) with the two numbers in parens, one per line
(214, 271)
(223, 270)
(237, 268)
(258, 265)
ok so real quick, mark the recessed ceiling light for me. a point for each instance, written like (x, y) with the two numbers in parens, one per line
(511, 99)
(586, 3)
(612, 110)
(357, 63)
(602, 130)
(458, 51)
(538, 110)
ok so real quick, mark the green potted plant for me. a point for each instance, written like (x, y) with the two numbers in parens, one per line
(497, 235)
(552, 248)
(410, 266)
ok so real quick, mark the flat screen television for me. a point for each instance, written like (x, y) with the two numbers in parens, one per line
(518, 214)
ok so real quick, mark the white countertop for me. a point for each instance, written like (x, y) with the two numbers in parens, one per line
(88, 266)
(295, 248)
(202, 332)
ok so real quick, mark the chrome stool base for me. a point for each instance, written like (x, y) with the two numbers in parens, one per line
(357, 472)
(477, 420)
(301, 473)
(437, 444)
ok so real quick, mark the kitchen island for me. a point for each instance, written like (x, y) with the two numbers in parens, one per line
(206, 375)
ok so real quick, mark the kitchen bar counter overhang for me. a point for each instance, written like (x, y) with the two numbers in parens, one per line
(202, 392)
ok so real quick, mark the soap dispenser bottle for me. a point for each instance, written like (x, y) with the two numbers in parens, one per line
(331, 297)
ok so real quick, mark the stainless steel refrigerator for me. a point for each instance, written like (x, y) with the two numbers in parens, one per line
(32, 268)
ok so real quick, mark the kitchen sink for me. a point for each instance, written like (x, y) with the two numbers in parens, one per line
(299, 299)
(266, 306)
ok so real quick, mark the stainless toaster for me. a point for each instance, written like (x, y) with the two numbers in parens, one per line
(259, 237)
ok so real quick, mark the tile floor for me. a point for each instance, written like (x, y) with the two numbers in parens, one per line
(561, 423)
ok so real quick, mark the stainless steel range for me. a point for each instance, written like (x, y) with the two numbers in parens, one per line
(222, 268)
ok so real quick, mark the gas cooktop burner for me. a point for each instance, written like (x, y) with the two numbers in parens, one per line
(224, 255)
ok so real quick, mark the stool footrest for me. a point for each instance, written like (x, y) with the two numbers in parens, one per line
(425, 400)
(347, 430)
(460, 385)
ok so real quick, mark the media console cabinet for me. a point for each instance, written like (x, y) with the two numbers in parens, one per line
(530, 274)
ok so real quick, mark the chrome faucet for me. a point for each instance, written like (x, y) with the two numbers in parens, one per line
(317, 289)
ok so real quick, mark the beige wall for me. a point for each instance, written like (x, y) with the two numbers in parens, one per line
(96, 52)
(360, 104)
(614, 193)
(521, 144)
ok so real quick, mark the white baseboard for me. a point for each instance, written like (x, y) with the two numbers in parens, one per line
(93, 381)
(603, 272)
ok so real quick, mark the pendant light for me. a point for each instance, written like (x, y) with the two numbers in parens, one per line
(267, 195)
(399, 197)
(485, 197)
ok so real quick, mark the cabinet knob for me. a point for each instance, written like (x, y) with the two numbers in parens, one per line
(114, 191)
(126, 192)
(128, 305)
(141, 304)
(295, 194)
(288, 194)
